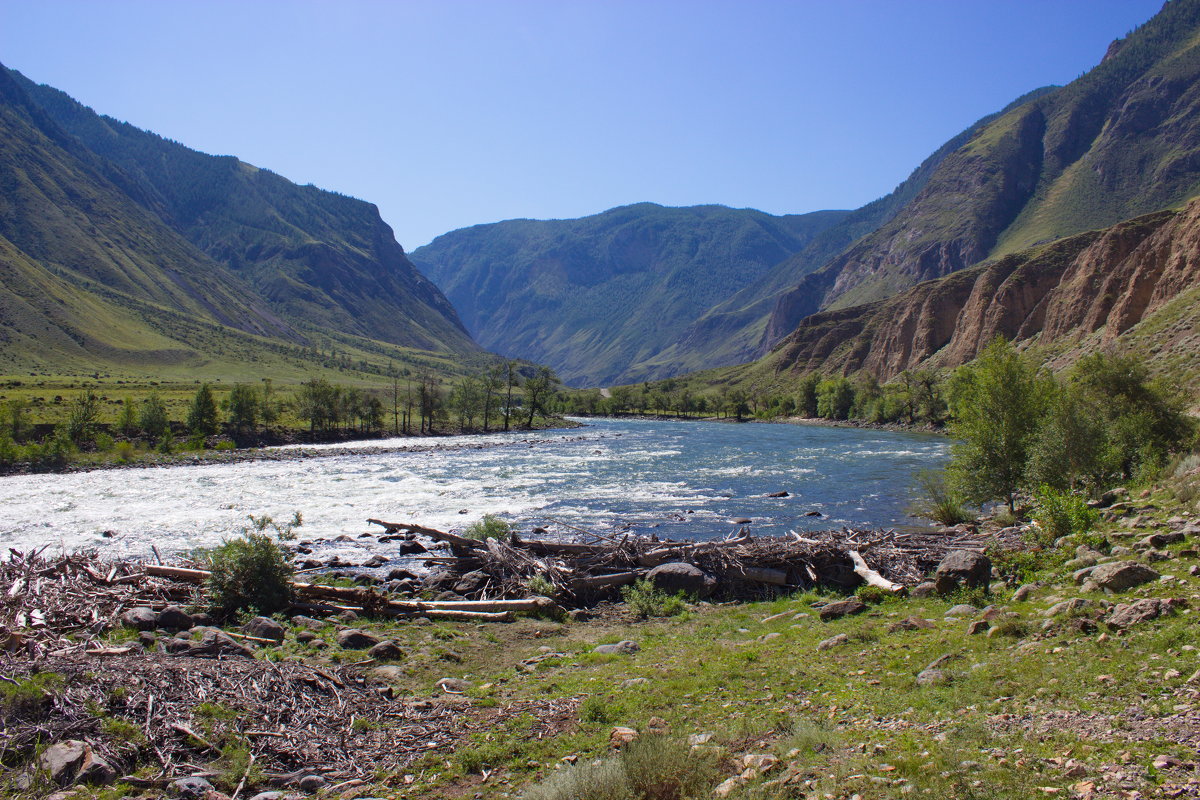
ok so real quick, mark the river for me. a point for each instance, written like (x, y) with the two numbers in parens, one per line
(674, 479)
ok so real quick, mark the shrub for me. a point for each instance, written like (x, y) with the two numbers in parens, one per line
(646, 601)
(254, 571)
(152, 418)
(649, 768)
(490, 527)
(596, 709)
(939, 502)
(1062, 513)
(539, 585)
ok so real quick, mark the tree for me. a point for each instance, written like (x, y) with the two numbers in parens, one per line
(1070, 443)
(835, 398)
(202, 414)
(243, 407)
(807, 400)
(536, 390)
(127, 420)
(511, 380)
(81, 417)
(152, 418)
(17, 424)
(268, 406)
(997, 402)
(491, 383)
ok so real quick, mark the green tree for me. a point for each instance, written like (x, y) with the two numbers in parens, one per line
(202, 418)
(17, 424)
(537, 389)
(835, 398)
(268, 405)
(82, 415)
(807, 400)
(243, 408)
(152, 418)
(127, 420)
(997, 401)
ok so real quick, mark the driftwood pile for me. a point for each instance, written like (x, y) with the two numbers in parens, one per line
(741, 566)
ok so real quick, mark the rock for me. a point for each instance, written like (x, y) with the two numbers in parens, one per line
(682, 577)
(962, 568)
(310, 784)
(354, 639)
(834, 641)
(913, 623)
(621, 736)
(1129, 614)
(813, 513)
(471, 582)
(1151, 556)
(1022, 593)
(264, 628)
(961, 610)
(658, 725)
(189, 788)
(1081, 575)
(629, 683)
(375, 561)
(741, 521)
(1161, 540)
(304, 637)
(141, 618)
(1072, 606)
(174, 618)
(410, 549)
(621, 648)
(727, 786)
(454, 685)
(1121, 575)
(217, 643)
(842, 608)
(401, 575)
(695, 739)
(308, 622)
(932, 677)
(386, 651)
(63, 761)
(926, 589)
(778, 494)
(388, 673)
(760, 762)
(96, 771)
(977, 627)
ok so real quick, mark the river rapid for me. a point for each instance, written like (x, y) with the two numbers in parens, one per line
(674, 479)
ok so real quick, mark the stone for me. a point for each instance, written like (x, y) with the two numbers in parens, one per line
(682, 577)
(727, 786)
(741, 521)
(141, 618)
(932, 677)
(411, 549)
(1151, 556)
(471, 582)
(375, 561)
(913, 623)
(354, 639)
(308, 622)
(310, 784)
(961, 610)
(926, 589)
(977, 627)
(1126, 615)
(962, 568)
(620, 648)
(842, 608)
(304, 637)
(658, 725)
(620, 736)
(834, 641)
(399, 574)
(218, 643)
(760, 762)
(629, 683)
(695, 739)
(1081, 575)
(264, 628)
(63, 761)
(96, 771)
(1121, 575)
(388, 673)
(1073, 606)
(189, 788)
(1161, 540)
(174, 618)
(778, 494)
(1022, 593)
(386, 650)
(454, 685)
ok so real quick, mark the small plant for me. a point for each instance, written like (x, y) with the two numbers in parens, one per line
(939, 502)
(125, 452)
(596, 709)
(645, 600)
(490, 527)
(1062, 513)
(873, 595)
(539, 585)
(253, 571)
(31, 697)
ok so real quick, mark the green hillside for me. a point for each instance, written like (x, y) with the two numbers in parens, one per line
(601, 296)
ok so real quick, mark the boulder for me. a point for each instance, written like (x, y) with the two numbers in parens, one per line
(174, 618)
(217, 643)
(386, 650)
(454, 685)
(410, 549)
(913, 623)
(189, 788)
(620, 736)
(961, 610)
(264, 628)
(308, 622)
(678, 576)
(842, 608)
(962, 568)
(1161, 540)
(834, 641)
(1121, 575)
(310, 784)
(620, 648)
(389, 674)
(471, 582)
(1126, 615)
(932, 677)
(141, 618)
(63, 761)
(778, 494)
(926, 589)
(354, 639)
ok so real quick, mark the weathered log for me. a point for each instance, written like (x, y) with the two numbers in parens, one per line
(872, 577)
(543, 547)
(177, 573)
(432, 533)
(682, 551)
(605, 581)
(775, 577)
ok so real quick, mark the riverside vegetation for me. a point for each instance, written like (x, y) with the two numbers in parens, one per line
(43, 429)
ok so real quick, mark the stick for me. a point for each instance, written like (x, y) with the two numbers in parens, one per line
(873, 578)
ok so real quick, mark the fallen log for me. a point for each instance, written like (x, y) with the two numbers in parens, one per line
(775, 577)
(604, 581)
(873, 578)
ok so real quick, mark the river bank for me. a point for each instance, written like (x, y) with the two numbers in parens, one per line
(1037, 686)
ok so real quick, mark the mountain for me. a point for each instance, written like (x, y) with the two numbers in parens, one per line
(1120, 141)
(1132, 285)
(601, 296)
(119, 248)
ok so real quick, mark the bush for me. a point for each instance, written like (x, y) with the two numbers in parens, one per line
(938, 501)
(254, 571)
(646, 601)
(490, 527)
(649, 768)
(1062, 513)
(539, 585)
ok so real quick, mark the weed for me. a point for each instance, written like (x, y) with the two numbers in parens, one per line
(939, 502)
(539, 585)
(646, 601)
(1062, 513)
(29, 698)
(597, 709)
(253, 571)
(123, 730)
(489, 527)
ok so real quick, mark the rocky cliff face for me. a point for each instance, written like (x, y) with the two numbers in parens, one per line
(1094, 289)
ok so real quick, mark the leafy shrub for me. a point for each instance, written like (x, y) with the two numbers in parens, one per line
(125, 451)
(645, 600)
(873, 595)
(490, 527)
(1062, 513)
(254, 571)
(939, 502)
(539, 585)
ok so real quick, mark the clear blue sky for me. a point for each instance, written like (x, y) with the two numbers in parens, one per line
(451, 113)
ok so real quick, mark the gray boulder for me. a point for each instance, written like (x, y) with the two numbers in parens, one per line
(842, 608)
(189, 788)
(932, 677)
(962, 568)
(678, 576)
(834, 641)
(63, 761)
(386, 651)
(1126, 615)
(1121, 575)
(174, 618)
(354, 639)
(620, 648)
(264, 628)
(141, 618)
